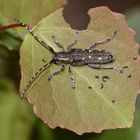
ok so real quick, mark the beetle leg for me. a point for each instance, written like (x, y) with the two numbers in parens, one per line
(103, 41)
(97, 66)
(57, 42)
(73, 82)
(57, 71)
(76, 39)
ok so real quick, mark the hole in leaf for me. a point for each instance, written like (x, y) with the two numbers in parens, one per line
(105, 78)
(102, 86)
(134, 58)
(97, 77)
(75, 13)
(129, 76)
(113, 101)
(89, 87)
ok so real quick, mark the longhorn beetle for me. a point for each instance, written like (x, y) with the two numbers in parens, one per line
(91, 57)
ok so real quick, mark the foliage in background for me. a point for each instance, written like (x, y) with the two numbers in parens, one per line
(133, 20)
(16, 117)
(30, 11)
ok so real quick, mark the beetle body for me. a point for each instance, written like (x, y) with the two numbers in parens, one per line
(79, 57)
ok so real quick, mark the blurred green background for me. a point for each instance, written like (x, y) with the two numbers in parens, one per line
(17, 120)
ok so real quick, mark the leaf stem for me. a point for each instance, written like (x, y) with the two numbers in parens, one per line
(12, 26)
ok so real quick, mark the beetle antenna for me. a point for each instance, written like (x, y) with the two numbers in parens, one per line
(34, 77)
(35, 36)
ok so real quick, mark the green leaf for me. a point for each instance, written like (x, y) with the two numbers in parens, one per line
(9, 39)
(133, 20)
(83, 109)
(15, 118)
(29, 11)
